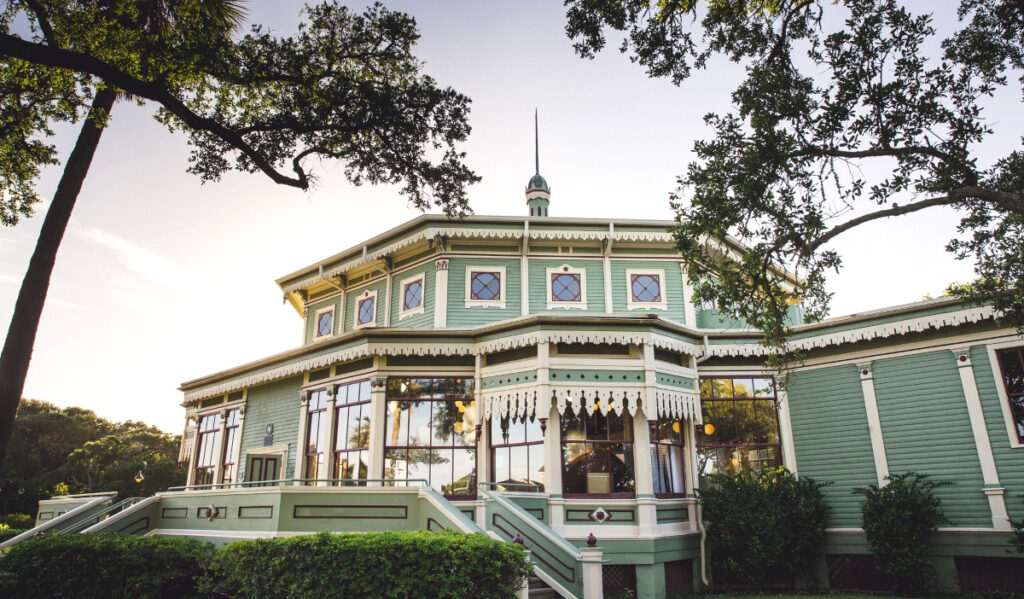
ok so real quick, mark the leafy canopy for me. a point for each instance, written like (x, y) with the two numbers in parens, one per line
(345, 87)
(848, 112)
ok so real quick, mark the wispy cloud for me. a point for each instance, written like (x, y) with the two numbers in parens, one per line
(56, 302)
(142, 260)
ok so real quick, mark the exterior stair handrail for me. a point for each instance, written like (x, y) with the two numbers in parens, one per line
(71, 515)
(99, 516)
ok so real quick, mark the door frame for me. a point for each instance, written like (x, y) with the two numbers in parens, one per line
(278, 451)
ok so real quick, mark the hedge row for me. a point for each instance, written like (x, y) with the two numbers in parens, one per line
(414, 565)
(10, 533)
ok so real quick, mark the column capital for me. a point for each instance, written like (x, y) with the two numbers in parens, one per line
(962, 355)
(441, 263)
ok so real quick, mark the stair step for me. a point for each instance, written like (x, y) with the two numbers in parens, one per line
(540, 590)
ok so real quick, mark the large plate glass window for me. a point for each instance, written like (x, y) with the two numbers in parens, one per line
(430, 434)
(352, 432)
(597, 455)
(229, 470)
(517, 453)
(741, 425)
(316, 418)
(206, 452)
(667, 458)
(1011, 366)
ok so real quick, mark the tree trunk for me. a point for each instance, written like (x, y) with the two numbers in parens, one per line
(21, 335)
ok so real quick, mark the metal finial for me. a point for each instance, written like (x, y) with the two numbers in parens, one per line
(536, 143)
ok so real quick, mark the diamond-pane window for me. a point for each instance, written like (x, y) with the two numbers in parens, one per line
(486, 286)
(366, 310)
(646, 288)
(413, 295)
(325, 324)
(566, 287)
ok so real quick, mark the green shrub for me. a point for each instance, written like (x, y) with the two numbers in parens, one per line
(899, 520)
(762, 527)
(103, 565)
(407, 565)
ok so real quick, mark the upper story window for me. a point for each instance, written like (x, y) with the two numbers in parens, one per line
(324, 322)
(366, 309)
(485, 286)
(597, 454)
(646, 289)
(412, 296)
(741, 425)
(1011, 366)
(567, 287)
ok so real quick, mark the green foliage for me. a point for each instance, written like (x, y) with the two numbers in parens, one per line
(6, 532)
(762, 527)
(899, 520)
(104, 565)
(844, 107)
(16, 521)
(56, 451)
(406, 565)
(1018, 535)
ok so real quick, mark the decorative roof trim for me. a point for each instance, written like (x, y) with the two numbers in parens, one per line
(880, 331)
(526, 400)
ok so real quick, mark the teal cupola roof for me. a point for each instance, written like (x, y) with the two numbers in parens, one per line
(538, 194)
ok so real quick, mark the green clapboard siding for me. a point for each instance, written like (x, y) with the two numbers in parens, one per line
(278, 404)
(1009, 460)
(539, 284)
(459, 316)
(830, 433)
(426, 319)
(673, 287)
(352, 301)
(311, 317)
(926, 429)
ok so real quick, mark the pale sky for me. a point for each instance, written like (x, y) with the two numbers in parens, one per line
(161, 280)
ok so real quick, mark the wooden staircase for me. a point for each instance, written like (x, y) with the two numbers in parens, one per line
(540, 590)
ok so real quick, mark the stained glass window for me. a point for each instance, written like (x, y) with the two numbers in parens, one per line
(485, 286)
(645, 288)
(413, 295)
(366, 310)
(566, 287)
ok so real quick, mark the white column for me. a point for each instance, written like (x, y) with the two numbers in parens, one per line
(236, 455)
(593, 579)
(378, 410)
(339, 318)
(691, 440)
(300, 442)
(552, 439)
(647, 517)
(786, 430)
(483, 443)
(387, 306)
(524, 271)
(690, 309)
(441, 294)
(993, 490)
(867, 384)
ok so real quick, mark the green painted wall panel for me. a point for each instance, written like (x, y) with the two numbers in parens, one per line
(539, 284)
(1009, 460)
(830, 433)
(426, 319)
(459, 316)
(278, 404)
(673, 287)
(926, 429)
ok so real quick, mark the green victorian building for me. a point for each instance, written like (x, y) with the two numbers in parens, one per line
(550, 380)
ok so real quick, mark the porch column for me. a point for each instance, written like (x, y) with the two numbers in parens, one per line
(593, 577)
(552, 438)
(236, 455)
(993, 490)
(378, 410)
(299, 470)
(646, 511)
(786, 429)
(690, 437)
(441, 294)
(483, 440)
(867, 383)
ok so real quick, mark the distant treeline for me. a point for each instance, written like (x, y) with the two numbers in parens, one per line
(72, 450)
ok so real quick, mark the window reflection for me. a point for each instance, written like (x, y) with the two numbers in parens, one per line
(597, 454)
(741, 428)
(517, 453)
(430, 433)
